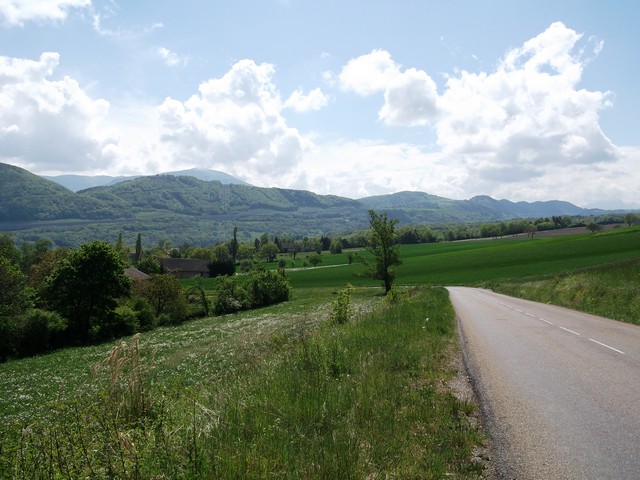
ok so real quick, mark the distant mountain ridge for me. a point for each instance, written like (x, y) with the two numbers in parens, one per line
(183, 208)
(77, 183)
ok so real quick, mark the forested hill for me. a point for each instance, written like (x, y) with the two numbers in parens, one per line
(186, 209)
(408, 207)
(28, 197)
(190, 196)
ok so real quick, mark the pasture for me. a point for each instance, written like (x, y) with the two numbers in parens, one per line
(477, 262)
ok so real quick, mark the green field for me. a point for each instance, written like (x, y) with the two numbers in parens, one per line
(281, 392)
(474, 262)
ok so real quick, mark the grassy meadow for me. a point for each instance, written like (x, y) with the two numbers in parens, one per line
(284, 392)
(281, 392)
(478, 262)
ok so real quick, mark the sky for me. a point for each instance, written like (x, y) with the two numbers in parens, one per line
(522, 100)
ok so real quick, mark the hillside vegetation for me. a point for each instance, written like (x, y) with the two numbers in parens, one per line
(28, 197)
(183, 209)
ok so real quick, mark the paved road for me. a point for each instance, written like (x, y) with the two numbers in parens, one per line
(560, 389)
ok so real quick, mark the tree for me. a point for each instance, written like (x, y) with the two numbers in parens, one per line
(531, 229)
(13, 302)
(138, 248)
(8, 248)
(384, 248)
(233, 247)
(222, 263)
(149, 265)
(315, 259)
(593, 227)
(45, 266)
(85, 287)
(165, 295)
(269, 251)
(631, 218)
(246, 251)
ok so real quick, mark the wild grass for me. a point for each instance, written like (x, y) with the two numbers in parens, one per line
(610, 290)
(281, 392)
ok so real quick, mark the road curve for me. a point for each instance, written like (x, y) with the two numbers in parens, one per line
(560, 389)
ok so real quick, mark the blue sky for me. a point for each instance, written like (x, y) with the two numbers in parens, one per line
(518, 100)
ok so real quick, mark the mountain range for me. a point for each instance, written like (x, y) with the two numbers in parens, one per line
(82, 182)
(203, 206)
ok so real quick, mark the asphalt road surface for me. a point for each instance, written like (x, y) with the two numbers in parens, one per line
(560, 389)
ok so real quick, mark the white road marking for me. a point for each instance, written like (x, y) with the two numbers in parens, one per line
(607, 346)
(569, 330)
(551, 323)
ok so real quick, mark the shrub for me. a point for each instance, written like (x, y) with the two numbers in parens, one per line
(229, 296)
(395, 295)
(341, 312)
(267, 287)
(263, 287)
(39, 331)
(144, 313)
(165, 295)
(225, 267)
(315, 259)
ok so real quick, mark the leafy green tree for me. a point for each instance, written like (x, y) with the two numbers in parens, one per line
(246, 251)
(315, 259)
(15, 299)
(233, 246)
(45, 266)
(138, 253)
(631, 218)
(165, 295)
(593, 227)
(222, 263)
(149, 265)
(8, 248)
(30, 253)
(221, 253)
(531, 230)
(266, 287)
(85, 287)
(384, 248)
(269, 251)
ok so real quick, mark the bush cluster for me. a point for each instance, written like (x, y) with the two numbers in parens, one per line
(259, 288)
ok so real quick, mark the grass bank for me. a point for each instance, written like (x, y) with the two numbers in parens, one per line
(275, 393)
(610, 290)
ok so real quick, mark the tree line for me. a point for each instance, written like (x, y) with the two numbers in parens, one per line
(59, 297)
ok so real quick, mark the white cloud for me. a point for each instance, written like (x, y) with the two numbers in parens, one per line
(525, 130)
(370, 73)
(172, 59)
(47, 122)
(362, 168)
(314, 100)
(234, 124)
(17, 12)
(528, 116)
(410, 96)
